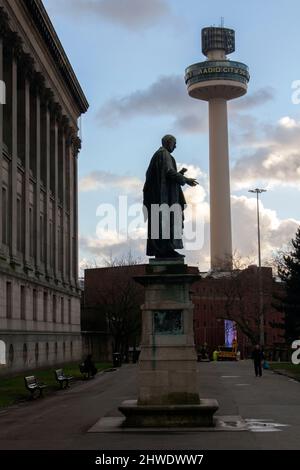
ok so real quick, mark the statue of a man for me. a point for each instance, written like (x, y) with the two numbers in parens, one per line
(164, 202)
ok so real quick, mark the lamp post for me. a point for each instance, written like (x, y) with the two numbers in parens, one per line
(258, 191)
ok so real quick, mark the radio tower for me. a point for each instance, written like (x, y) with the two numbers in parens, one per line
(218, 80)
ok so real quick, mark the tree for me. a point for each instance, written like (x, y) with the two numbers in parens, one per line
(120, 298)
(239, 302)
(289, 303)
(237, 295)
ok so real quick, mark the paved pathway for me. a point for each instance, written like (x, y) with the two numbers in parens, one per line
(61, 421)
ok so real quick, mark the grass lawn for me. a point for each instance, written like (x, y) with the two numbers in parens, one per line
(292, 369)
(12, 389)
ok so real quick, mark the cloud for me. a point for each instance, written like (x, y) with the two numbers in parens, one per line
(257, 98)
(98, 251)
(165, 97)
(131, 14)
(97, 180)
(275, 159)
(275, 232)
(168, 96)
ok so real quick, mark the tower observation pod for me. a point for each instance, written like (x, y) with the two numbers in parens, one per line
(218, 80)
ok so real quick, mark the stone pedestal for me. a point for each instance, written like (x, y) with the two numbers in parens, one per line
(167, 376)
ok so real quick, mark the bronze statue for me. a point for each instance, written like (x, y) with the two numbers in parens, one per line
(164, 202)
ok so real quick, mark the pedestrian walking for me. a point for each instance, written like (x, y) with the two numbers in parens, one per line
(258, 357)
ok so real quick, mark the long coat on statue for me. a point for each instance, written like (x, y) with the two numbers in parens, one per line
(163, 186)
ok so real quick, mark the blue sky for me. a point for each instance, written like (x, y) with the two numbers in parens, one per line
(130, 57)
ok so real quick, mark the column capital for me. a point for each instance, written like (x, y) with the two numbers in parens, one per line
(47, 95)
(38, 83)
(4, 23)
(15, 44)
(65, 122)
(28, 65)
(57, 111)
(76, 143)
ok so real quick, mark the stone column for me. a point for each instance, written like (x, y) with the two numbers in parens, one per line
(75, 234)
(14, 154)
(38, 179)
(57, 117)
(47, 102)
(1, 133)
(77, 147)
(3, 35)
(71, 207)
(64, 202)
(27, 65)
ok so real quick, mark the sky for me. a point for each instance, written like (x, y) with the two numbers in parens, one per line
(130, 57)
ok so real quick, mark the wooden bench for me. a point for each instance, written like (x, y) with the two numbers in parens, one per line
(62, 379)
(33, 385)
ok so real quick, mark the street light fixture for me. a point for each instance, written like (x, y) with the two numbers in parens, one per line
(258, 191)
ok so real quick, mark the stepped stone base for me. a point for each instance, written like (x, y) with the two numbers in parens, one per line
(169, 415)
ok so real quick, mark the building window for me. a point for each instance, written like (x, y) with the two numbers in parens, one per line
(62, 309)
(22, 303)
(47, 351)
(45, 306)
(55, 351)
(53, 159)
(34, 304)
(33, 127)
(8, 300)
(42, 239)
(11, 354)
(25, 354)
(4, 216)
(54, 309)
(36, 352)
(64, 350)
(51, 241)
(19, 235)
(60, 245)
(19, 225)
(71, 349)
(43, 147)
(31, 233)
(69, 312)
(2, 353)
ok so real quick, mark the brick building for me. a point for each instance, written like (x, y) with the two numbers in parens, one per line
(99, 284)
(238, 295)
(212, 298)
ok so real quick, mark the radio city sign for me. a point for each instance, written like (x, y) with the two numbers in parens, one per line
(214, 70)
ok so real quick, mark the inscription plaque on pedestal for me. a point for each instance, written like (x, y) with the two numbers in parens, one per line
(168, 322)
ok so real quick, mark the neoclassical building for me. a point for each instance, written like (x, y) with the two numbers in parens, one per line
(39, 146)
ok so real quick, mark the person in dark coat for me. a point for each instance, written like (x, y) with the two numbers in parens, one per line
(258, 357)
(90, 366)
(163, 189)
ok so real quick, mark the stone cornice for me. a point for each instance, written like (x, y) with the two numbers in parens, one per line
(43, 23)
(45, 28)
(15, 46)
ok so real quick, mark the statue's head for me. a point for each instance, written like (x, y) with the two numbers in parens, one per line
(169, 142)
